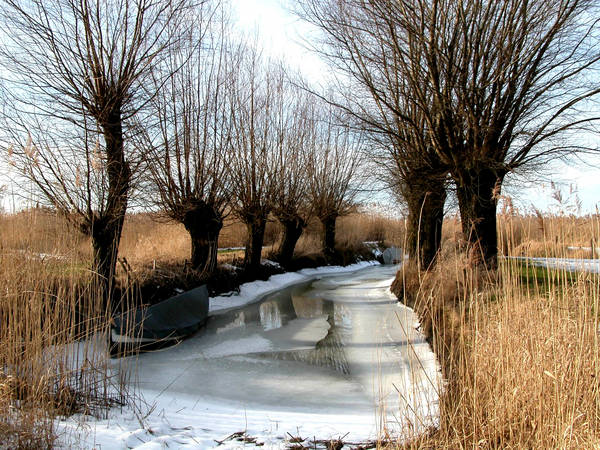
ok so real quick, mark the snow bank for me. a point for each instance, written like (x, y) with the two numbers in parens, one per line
(255, 290)
(181, 424)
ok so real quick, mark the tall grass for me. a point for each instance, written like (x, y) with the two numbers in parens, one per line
(518, 348)
(53, 326)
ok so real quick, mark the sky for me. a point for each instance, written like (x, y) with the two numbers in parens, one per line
(282, 34)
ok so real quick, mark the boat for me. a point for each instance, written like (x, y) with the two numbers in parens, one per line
(160, 325)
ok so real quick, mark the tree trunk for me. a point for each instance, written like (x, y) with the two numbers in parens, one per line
(106, 230)
(256, 235)
(292, 230)
(329, 235)
(105, 235)
(478, 191)
(425, 219)
(204, 224)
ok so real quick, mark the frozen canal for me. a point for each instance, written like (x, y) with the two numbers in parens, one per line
(335, 356)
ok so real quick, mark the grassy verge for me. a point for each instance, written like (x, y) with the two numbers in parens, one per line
(543, 280)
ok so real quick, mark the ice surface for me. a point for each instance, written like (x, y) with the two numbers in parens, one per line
(253, 291)
(325, 357)
(569, 264)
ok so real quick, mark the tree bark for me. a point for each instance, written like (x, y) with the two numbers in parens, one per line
(204, 224)
(329, 235)
(292, 230)
(256, 236)
(105, 236)
(106, 230)
(425, 219)
(478, 191)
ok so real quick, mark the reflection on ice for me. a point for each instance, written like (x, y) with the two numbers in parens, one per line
(238, 321)
(306, 307)
(270, 317)
(333, 345)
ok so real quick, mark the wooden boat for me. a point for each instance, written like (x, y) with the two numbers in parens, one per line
(159, 325)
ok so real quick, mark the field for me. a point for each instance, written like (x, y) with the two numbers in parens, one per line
(519, 349)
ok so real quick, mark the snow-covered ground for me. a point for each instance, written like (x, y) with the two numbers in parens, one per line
(255, 290)
(325, 355)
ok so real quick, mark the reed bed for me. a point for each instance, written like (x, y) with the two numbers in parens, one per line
(53, 330)
(518, 348)
(148, 238)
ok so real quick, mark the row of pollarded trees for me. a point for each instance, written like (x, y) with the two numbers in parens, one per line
(464, 92)
(236, 136)
(103, 100)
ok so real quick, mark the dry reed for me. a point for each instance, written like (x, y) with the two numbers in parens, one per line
(518, 349)
(53, 326)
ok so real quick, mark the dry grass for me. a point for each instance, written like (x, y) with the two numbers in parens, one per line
(520, 357)
(549, 235)
(537, 235)
(48, 310)
(519, 352)
(146, 239)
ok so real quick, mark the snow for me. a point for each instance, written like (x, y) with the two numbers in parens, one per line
(264, 369)
(269, 263)
(572, 247)
(252, 344)
(255, 290)
(374, 247)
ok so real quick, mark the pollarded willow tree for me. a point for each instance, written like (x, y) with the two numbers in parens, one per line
(188, 148)
(257, 101)
(295, 143)
(410, 168)
(335, 178)
(502, 85)
(78, 72)
(380, 103)
(509, 83)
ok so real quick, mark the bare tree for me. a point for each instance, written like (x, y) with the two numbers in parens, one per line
(377, 100)
(191, 142)
(509, 82)
(78, 71)
(295, 144)
(502, 85)
(420, 182)
(334, 181)
(252, 163)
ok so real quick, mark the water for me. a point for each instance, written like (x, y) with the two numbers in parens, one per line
(334, 345)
